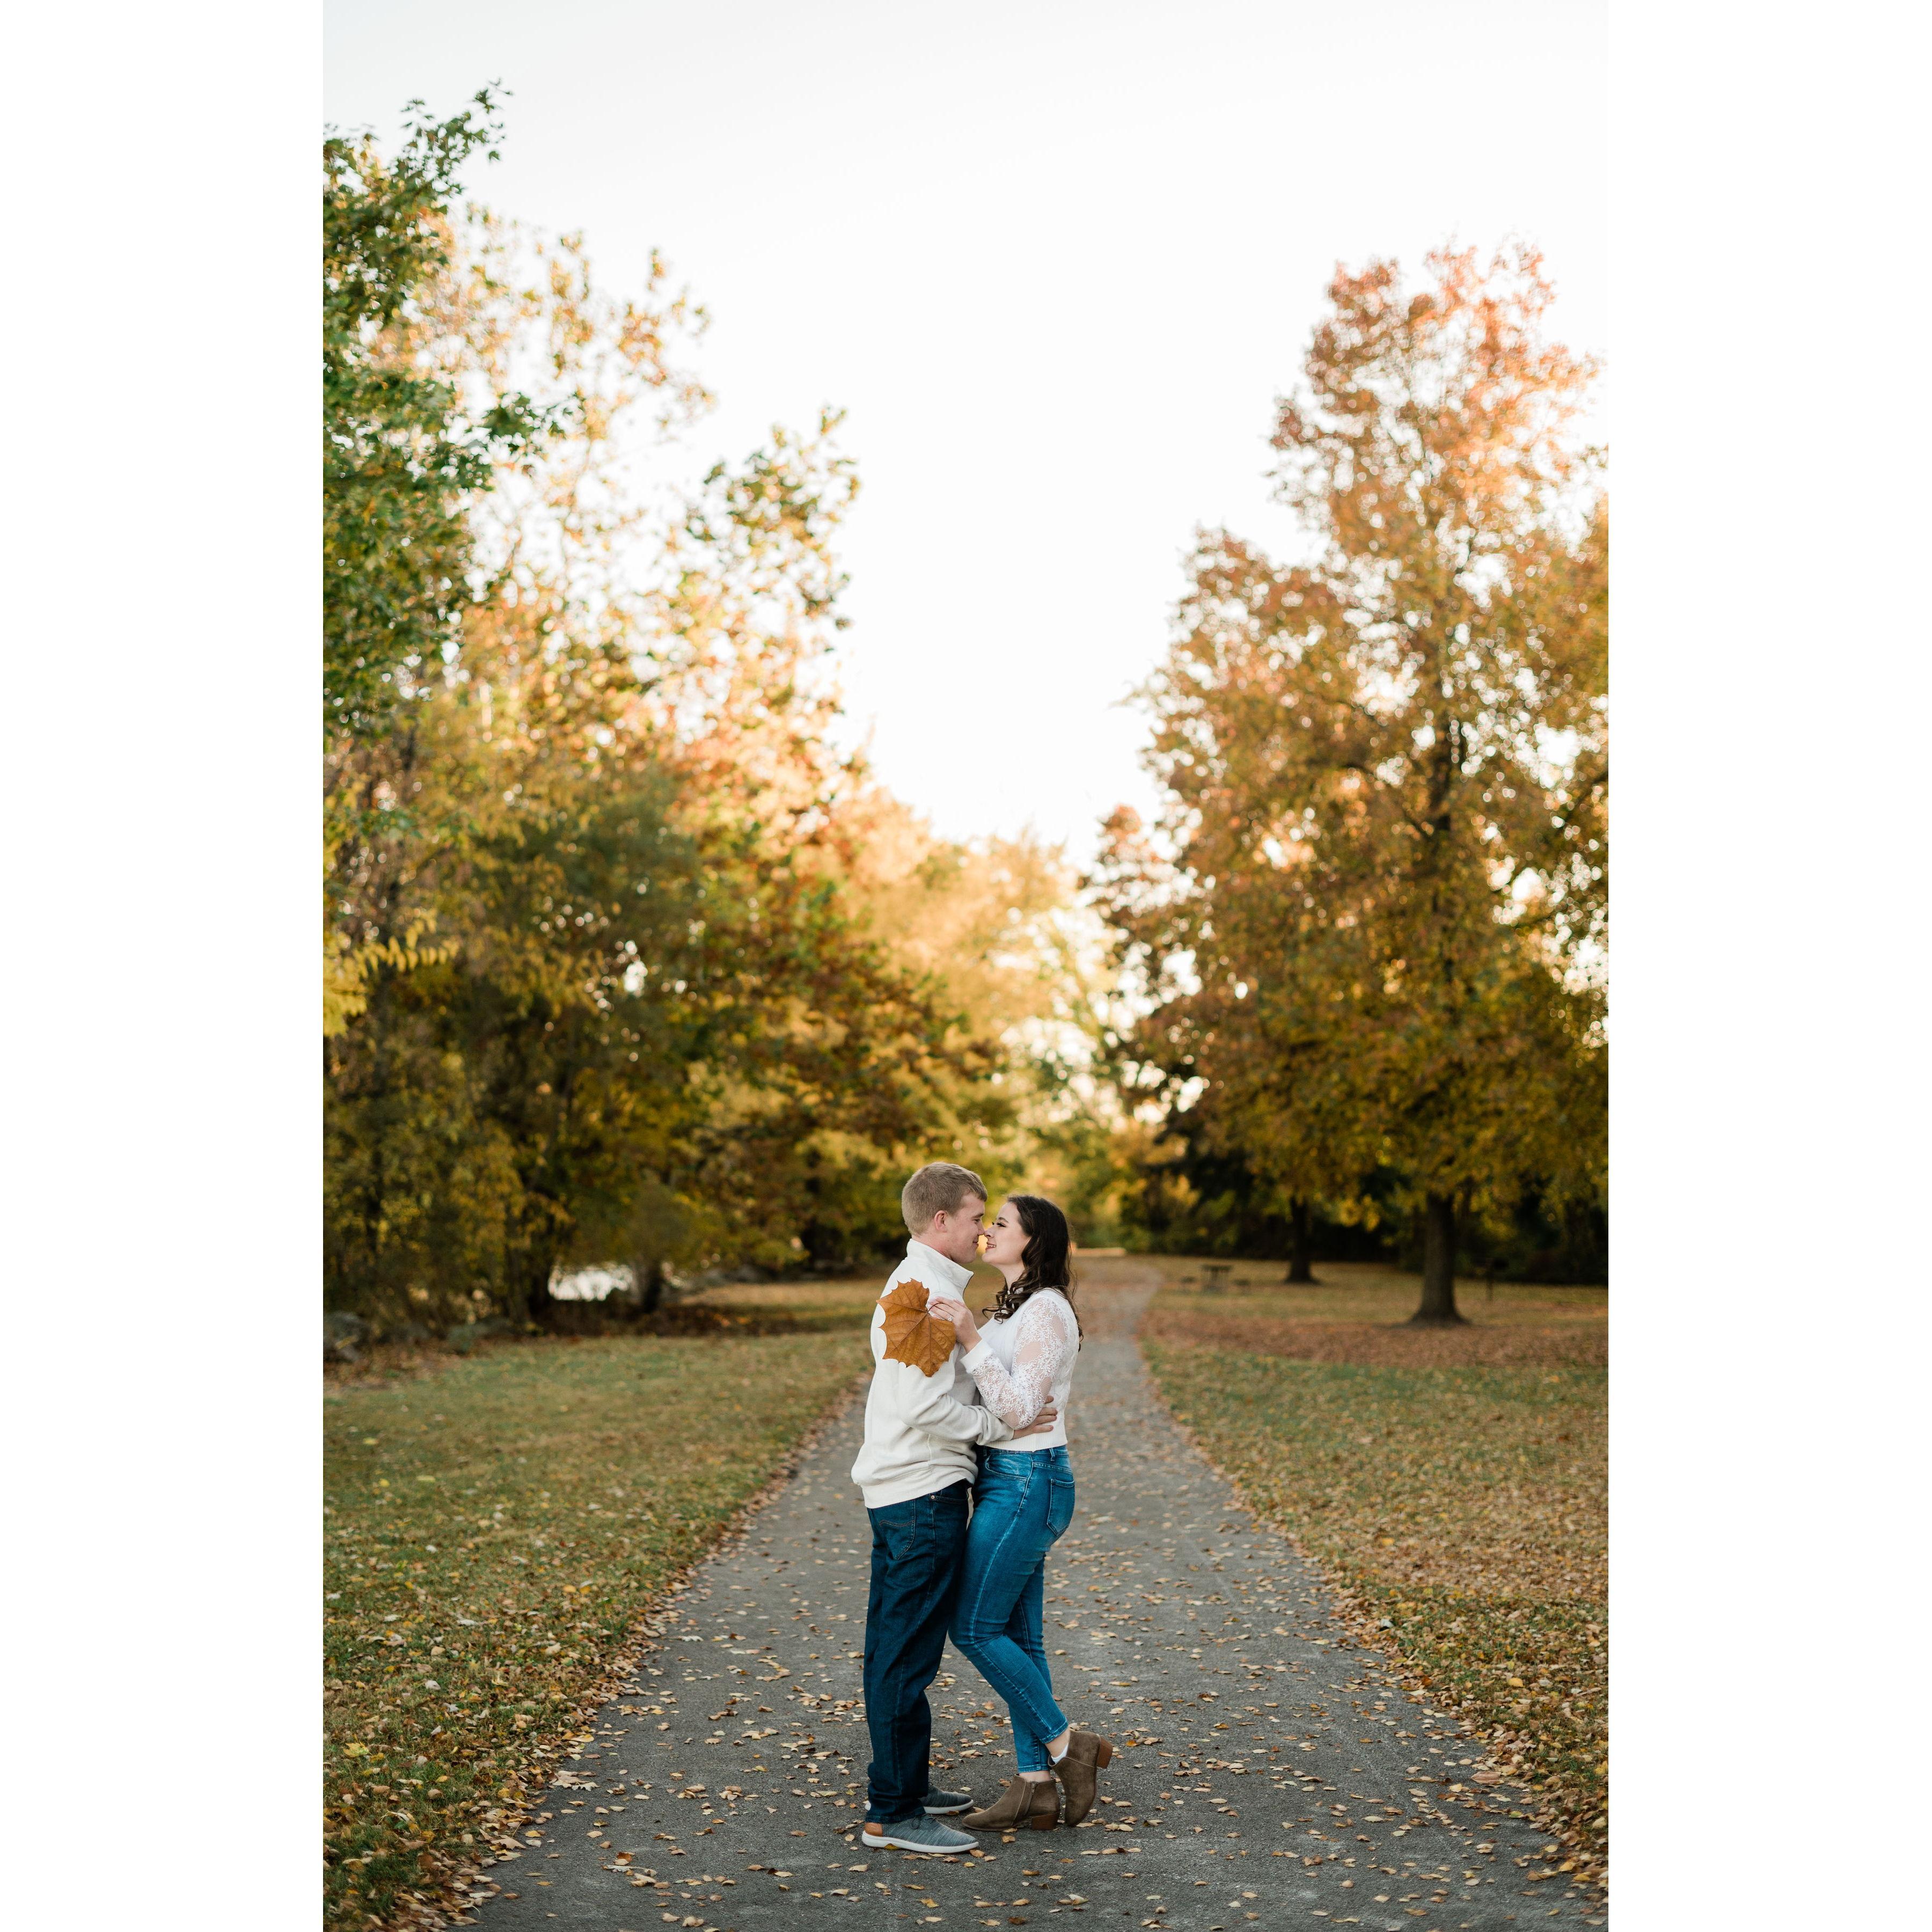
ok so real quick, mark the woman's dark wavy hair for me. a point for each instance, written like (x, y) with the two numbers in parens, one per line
(1045, 1261)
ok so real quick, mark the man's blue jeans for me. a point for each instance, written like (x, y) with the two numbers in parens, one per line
(1021, 1505)
(915, 1551)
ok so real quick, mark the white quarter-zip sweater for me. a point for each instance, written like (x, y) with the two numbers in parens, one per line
(920, 1430)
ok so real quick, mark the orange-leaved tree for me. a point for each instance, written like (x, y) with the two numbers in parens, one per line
(1372, 910)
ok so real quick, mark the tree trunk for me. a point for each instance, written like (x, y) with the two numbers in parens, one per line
(1300, 1245)
(528, 1273)
(650, 1286)
(1439, 1261)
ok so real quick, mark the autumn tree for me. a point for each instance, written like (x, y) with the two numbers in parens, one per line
(405, 452)
(607, 991)
(1372, 913)
(401, 450)
(995, 925)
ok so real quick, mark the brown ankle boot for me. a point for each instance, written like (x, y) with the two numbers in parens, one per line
(1026, 1804)
(1087, 1755)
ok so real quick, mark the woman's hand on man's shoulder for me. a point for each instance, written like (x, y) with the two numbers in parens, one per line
(950, 1308)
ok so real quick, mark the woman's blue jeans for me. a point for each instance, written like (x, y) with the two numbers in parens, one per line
(1021, 1505)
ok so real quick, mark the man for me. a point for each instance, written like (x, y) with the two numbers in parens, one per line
(916, 1471)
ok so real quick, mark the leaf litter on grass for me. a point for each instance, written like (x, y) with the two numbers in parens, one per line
(1459, 1505)
(497, 1530)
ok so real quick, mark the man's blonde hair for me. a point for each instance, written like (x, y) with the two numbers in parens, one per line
(937, 1188)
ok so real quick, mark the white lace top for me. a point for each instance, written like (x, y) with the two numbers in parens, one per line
(1022, 1364)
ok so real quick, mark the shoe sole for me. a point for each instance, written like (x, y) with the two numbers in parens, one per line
(885, 1838)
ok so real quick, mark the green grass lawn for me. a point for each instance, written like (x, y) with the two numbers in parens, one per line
(1256, 1303)
(818, 1305)
(1452, 1484)
(495, 1527)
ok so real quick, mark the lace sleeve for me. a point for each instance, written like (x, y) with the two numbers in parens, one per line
(1045, 1337)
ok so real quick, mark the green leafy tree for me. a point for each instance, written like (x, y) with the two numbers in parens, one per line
(615, 997)
(404, 452)
(400, 450)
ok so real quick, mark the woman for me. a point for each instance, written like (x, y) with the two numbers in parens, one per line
(1022, 1502)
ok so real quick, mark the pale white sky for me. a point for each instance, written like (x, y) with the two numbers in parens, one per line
(1056, 260)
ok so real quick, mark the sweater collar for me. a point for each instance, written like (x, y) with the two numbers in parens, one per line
(956, 1277)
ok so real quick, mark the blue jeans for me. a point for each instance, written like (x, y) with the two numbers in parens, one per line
(915, 1550)
(1021, 1505)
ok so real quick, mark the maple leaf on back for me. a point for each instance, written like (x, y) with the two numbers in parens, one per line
(913, 1336)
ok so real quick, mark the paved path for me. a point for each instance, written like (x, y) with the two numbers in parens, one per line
(1279, 1776)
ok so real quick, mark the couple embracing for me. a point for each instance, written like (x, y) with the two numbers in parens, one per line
(962, 1412)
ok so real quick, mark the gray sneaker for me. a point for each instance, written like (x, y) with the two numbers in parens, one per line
(944, 1804)
(917, 1834)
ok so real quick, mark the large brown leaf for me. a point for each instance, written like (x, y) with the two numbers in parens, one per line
(912, 1336)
